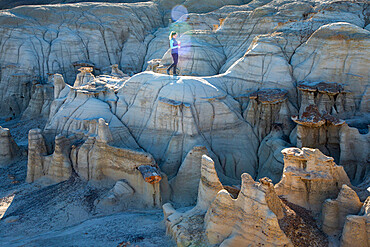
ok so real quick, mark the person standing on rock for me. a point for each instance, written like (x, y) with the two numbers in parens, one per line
(174, 52)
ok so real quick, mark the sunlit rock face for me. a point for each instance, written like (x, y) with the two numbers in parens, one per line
(60, 38)
(269, 92)
(168, 116)
(309, 178)
(335, 211)
(314, 60)
(357, 227)
(240, 217)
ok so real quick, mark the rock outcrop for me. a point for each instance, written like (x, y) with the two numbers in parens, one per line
(187, 228)
(184, 187)
(270, 158)
(268, 107)
(335, 211)
(356, 230)
(15, 89)
(319, 130)
(41, 99)
(334, 137)
(354, 154)
(94, 160)
(8, 147)
(53, 168)
(309, 178)
(329, 97)
(184, 112)
(252, 74)
(256, 221)
(255, 215)
(52, 39)
(349, 43)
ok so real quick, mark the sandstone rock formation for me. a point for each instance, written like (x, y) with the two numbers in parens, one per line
(93, 160)
(319, 130)
(55, 167)
(335, 138)
(41, 99)
(256, 215)
(350, 43)
(354, 155)
(184, 187)
(328, 97)
(356, 230)
(309, 178)
(253, 73)
(180, 112)
(270, 158)
(53, 38)
(267, 107)
(84, 77)
(256, 222)
(15, 88)
(8, 147)
(334, 212)
(187, 227)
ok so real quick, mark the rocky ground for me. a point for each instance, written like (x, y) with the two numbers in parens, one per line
(265, 131)
(63, 215)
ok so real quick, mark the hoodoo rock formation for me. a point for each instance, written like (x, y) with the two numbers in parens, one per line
(255, 214)
(335, 211)
(262, 139)
(8, 147)
(309, 178)
(356, 230)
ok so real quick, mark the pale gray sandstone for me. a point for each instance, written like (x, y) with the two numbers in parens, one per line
(254, 73)
(9, 149)
(254, 215)
(310, 177)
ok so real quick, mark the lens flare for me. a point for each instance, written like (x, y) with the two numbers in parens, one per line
(179, 11)
(185, 36)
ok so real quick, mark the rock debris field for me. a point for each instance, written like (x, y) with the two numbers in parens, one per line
(261, 140)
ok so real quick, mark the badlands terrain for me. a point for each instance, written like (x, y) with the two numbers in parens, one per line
(262, 140)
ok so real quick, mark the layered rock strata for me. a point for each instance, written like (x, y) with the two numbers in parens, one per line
(335, 211)
(253, 216)
(57, 166)
(331, 98)
(334, 137)
(309, 178)
(267, 107)
(93, 160)
(256, 222)
(349, 42)
(270, 159)
(356, 230)
(187, 228)
(319, 130)
(8, 147)
(184, 186)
